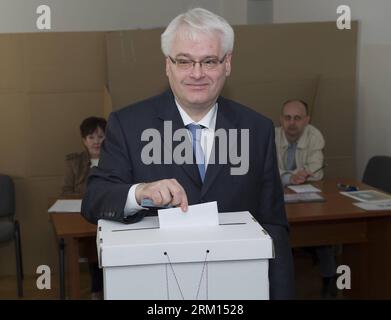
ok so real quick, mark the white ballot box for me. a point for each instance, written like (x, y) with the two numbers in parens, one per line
(225, 261)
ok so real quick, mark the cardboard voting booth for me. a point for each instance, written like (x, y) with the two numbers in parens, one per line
(226, 261)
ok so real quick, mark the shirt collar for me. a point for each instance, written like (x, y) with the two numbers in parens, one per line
(300, 143)
(94, 162)
(208, 121)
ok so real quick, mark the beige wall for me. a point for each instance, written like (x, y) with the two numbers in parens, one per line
(105, 15)
(48, 84)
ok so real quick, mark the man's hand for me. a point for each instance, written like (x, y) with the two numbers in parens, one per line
(162, 193)
(300, 176)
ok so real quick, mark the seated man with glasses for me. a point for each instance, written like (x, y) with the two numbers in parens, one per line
(198, 48)
(299, 145)
(300, 159)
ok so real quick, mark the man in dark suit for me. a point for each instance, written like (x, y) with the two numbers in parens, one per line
(140, 158)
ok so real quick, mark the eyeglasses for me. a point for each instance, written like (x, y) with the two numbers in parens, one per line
(294, 118)
(206, 64)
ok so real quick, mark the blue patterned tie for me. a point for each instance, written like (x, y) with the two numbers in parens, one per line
(195, 130)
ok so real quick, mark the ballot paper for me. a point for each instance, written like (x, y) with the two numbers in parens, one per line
(198, 215)
(303, 188)
(66, 206)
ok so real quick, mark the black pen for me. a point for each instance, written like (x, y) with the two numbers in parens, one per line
(324, 166)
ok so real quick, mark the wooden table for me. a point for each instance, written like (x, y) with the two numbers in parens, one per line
(365, 236)
(70, 229)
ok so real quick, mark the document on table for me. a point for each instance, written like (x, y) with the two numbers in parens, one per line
(303, 197)
(370, 206)
(198, 215)
(368, 196)
(66, 206)
(304, 188)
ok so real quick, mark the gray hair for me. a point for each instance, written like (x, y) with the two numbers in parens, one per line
(198, 20)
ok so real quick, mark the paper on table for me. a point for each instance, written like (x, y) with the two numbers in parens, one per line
(374, 206)
(303, 197)
(198, 215)
(368, 196)
(304, 188)
(66, 206)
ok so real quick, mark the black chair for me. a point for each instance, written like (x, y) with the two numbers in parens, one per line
(378, 173)
(9, 226)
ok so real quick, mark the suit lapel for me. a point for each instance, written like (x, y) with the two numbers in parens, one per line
(225, 120)
(168, 111)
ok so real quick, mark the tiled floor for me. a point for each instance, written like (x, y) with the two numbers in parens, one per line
(308, 283)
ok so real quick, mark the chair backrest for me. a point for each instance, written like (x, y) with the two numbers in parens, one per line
(7, 196)
(378, 173)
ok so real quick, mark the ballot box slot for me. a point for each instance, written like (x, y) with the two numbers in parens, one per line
(150, 228)
(232, 223)
(134, 229)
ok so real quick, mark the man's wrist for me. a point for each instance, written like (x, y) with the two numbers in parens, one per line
(138, 192)
(286, 178)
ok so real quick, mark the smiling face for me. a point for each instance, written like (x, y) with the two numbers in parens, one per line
(197, 89)
(93, 141)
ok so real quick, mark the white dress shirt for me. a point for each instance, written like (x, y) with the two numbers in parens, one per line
(208, 122)
(94, 162)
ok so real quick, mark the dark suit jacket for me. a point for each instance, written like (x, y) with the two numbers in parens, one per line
(259, 191)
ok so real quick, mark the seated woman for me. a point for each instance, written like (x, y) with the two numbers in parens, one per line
(92, 131)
